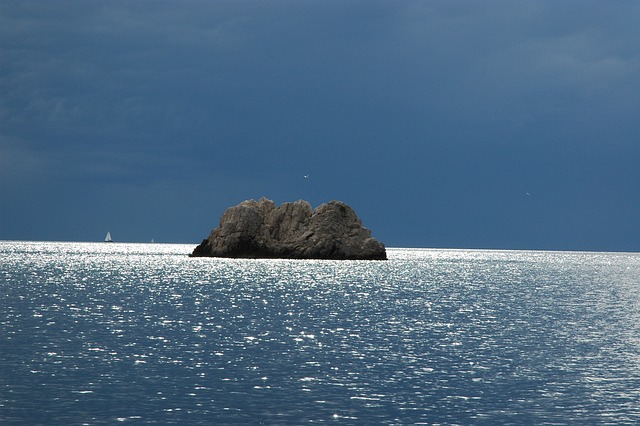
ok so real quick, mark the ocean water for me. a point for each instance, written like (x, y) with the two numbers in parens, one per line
(143, 334)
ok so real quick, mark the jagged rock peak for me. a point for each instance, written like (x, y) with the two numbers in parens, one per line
(260, 229)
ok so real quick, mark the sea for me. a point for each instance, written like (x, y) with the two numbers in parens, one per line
(114, 333)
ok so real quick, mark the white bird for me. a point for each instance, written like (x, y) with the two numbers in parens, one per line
(306, 176)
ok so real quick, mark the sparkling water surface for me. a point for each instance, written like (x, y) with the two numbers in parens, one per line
(141, 333)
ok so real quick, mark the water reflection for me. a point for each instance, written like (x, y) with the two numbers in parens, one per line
(134, 332)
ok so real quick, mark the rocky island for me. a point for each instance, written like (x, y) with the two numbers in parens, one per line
(260, 229)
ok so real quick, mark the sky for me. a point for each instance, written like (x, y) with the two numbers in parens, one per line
(454, 124)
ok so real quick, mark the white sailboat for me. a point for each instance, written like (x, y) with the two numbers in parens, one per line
(108, 239)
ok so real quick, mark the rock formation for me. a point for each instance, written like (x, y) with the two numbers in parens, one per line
(259, 229)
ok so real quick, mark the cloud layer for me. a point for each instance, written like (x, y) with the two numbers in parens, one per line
(433, 119)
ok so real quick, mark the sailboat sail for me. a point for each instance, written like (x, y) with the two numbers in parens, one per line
(108, 239)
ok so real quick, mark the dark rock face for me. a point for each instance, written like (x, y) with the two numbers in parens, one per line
(259, 229)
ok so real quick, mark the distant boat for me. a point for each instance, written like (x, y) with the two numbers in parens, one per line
(108, 239)
(153, 241)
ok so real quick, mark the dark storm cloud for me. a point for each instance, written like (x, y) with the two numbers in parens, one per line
(452, 109)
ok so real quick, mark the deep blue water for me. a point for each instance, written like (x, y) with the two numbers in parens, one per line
(141, 333)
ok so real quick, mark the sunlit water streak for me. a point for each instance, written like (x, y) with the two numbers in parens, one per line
(105, 333)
